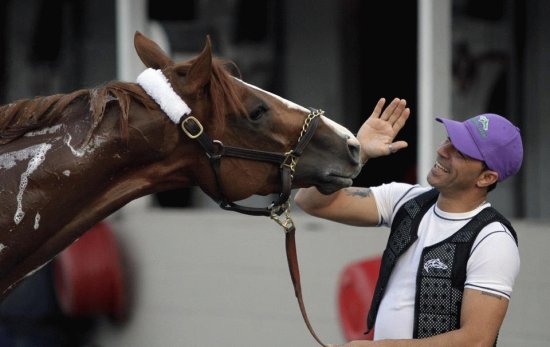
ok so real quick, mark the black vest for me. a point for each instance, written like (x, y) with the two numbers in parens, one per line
(442, 268)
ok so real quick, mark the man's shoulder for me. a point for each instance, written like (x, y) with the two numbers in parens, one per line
(404, 192)
(391, 196)
(399, 191)
(496, 231)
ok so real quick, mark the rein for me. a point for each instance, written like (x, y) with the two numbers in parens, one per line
(215, 150)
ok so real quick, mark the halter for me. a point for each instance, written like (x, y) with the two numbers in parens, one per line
(158, 87)
(215, 150)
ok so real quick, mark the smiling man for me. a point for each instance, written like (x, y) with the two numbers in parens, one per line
(451, 261)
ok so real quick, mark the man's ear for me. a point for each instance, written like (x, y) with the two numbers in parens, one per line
(486, 178)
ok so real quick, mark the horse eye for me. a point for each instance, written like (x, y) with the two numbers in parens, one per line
(258, 112)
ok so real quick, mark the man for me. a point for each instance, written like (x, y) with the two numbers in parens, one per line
(451, 260)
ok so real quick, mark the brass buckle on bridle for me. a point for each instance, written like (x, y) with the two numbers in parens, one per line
(197, 124)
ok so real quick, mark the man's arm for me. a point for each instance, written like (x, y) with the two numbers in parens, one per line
(481, 317)
(353, 206)
(356, 206)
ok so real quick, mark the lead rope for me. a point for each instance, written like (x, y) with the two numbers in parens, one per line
(287, 224)
(291, 255)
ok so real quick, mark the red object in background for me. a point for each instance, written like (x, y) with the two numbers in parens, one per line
(89, 276)
(355, 291)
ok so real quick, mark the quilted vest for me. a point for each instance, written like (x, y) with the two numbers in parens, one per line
(442, 269)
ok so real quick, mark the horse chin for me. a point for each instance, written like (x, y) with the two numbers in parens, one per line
(334, 183)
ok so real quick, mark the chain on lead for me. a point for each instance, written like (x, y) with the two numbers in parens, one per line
(286, 221)
(291, 161)
(308, 120)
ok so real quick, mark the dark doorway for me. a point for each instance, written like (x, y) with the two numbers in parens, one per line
(379, 55)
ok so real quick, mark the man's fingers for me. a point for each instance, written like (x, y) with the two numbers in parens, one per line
(400, 121)
(390, 109)
(398, 111)
(378, 108)
(396, 146)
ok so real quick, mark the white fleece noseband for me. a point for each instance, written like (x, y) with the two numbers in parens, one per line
(157, 86)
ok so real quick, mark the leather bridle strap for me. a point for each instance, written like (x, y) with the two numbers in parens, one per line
(216, 150)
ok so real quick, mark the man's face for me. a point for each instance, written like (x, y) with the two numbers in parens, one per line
(453, 170)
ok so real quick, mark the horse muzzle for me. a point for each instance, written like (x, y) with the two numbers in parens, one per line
(329, 163)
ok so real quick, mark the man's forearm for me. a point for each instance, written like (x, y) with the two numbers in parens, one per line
(311, 200)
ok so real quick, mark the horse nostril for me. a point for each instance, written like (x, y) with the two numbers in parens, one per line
(354, 151)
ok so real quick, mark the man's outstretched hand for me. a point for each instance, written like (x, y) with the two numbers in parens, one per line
(376, 135)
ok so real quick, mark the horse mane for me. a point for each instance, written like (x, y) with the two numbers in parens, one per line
(22, 116)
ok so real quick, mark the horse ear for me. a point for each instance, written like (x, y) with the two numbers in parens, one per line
(200, 71)
(150, 53)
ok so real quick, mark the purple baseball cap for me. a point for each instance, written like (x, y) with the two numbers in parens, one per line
(490, 138)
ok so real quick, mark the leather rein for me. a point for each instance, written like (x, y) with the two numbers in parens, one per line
(215, 150)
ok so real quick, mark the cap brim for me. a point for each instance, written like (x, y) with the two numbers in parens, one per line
(461, 138)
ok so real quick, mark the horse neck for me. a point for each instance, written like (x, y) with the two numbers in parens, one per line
(167, 159)
(94, 176)
(56, 184)
(154, 155)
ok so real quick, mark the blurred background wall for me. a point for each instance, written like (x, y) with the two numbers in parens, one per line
(337, 55)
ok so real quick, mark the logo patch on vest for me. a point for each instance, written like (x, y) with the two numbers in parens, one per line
(434, 264)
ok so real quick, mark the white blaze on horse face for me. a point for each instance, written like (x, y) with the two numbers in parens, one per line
(38, 153)
(2, 247)
(291, 105)
(339, 129)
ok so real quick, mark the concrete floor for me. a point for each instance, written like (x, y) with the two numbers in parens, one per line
(209, 277)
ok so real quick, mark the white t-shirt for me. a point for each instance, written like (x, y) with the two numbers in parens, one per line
(493, 264)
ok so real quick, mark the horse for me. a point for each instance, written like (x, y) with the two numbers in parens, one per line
(67, 161)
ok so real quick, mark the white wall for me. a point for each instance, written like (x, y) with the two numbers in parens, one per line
(220, 279)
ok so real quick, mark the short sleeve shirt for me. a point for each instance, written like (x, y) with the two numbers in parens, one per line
(493, 264)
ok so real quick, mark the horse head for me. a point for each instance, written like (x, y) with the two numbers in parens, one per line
(237, 114)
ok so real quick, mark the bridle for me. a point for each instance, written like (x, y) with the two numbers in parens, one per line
(157, 86)
(215, 150)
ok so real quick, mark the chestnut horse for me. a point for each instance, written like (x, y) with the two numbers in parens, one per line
(67, 161)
